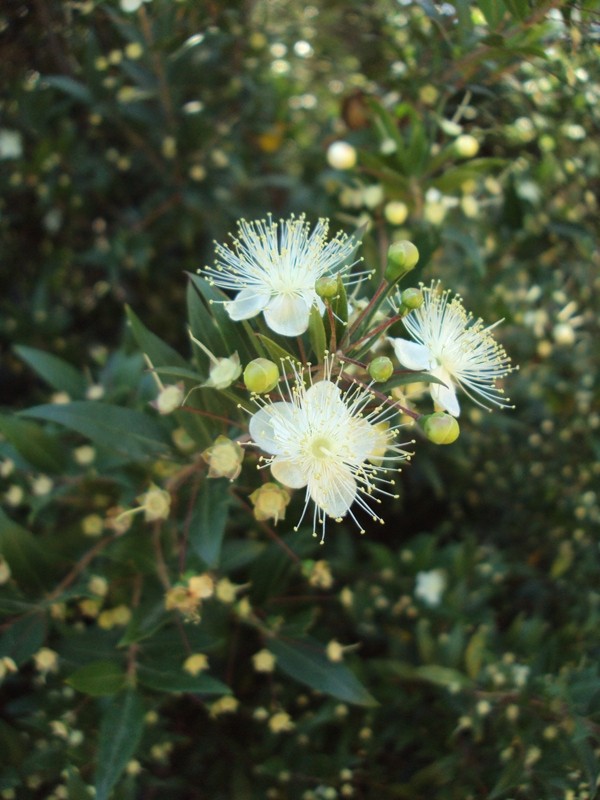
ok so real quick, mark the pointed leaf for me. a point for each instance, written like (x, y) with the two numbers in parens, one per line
(57, 373)
(129, 432)
(28, 558)
(316, 332)
(23, 638)
(305, 661)
(165, 678)
(39, 448)
(98, 678)
(276, 351)
(209, 520)
(160, 353)
(120, 732)
(70, 87)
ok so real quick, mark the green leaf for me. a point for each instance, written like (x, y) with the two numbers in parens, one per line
(23, 638)
(305, 661)
(28, 557)
(276, 351)
(77, 788)
(98, 678)
(172, 678)
(56, 372)
(69, 86)
(211, 323)
(209, 520)
(428, 673)
(493, 11)
(160, 353)
(128, 432)
(145, 621)
(39, 448)
(519, 9)
(120, 732)
(339, 307)
(474, 653)
(316, 332)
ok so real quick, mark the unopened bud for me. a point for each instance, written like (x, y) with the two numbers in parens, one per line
(412, 298)
(380, 369)
(395, 212)
(341, 155)
(402, 257)
(326, 287)
(261, 375)
(440, 428)
(466, 146)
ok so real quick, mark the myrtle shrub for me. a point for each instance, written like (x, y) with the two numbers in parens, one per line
(202, 433)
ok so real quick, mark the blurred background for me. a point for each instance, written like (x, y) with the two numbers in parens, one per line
(135, 134)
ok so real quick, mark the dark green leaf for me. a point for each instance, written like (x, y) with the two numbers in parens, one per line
(27, 557)
(39, 448)
(173, 679)
(56, 372)
(120, 732)
(23, 638)
(160, 353)
(70, 87)
(145, 621)
(209, 520)
(128, 432)
(316, 332)
(276, 351)
(98, 678)
(305, 661)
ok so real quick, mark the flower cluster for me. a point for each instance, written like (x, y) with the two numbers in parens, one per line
(330, 425)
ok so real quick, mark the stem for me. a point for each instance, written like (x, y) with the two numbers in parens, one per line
(376, 331)
(79, 567)
(381, 289)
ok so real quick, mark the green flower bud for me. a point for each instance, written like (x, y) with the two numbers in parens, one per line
(261, 375)
(326, 287)
(380, 369)
(412, 298)
(402, 257)
(440, 428)
(466, 146)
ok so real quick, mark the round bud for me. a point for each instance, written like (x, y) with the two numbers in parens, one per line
(380, 369)
(412, 298)
(341, 155)
(261, 375)
(466, 146)
(326, 287)
(396, 212)
(402, 257)
(440, 428)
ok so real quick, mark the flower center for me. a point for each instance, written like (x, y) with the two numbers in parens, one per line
(322, 447)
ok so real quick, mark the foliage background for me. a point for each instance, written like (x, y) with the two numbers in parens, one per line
(129, 140)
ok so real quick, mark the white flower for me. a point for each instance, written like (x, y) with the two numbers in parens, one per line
(455, 347)
(274, 267)
(430, 586)
(329, 440)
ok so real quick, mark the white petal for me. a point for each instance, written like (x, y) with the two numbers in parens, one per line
(264, 424)
(287, 315)
(445, 396)
(248, 303)
(413, 355)
(288, 473)
(334, 490)
(362, 440)
(321, 394)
